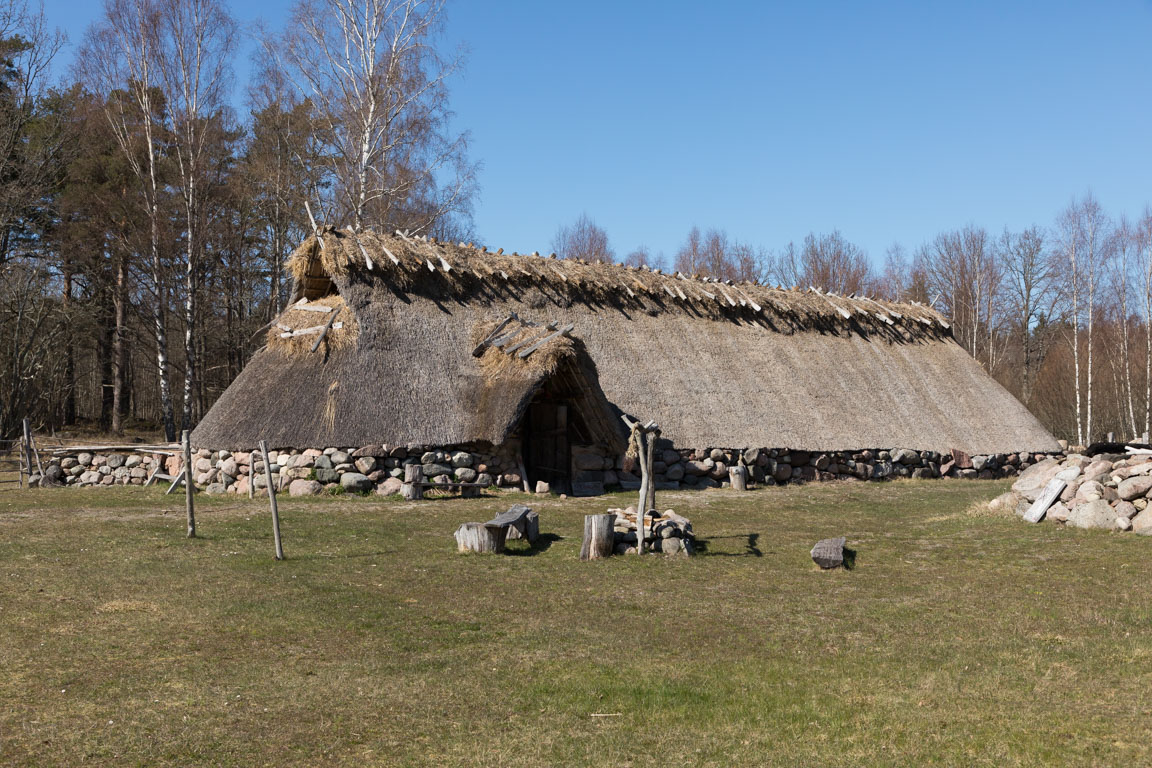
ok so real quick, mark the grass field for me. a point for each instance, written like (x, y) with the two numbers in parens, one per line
(960, 638)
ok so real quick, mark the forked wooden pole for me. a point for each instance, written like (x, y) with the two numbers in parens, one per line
(272, 500)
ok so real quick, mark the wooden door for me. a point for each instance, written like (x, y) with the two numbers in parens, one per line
(547, 455)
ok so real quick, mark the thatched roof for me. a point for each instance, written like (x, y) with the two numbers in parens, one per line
(715, 364)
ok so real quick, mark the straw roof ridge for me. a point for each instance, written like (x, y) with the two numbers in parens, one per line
(462, 272)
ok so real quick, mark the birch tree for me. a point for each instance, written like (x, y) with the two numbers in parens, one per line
(1083, 231)
(1142, 251)
(118, 59)
(195, 41)
(379, 86)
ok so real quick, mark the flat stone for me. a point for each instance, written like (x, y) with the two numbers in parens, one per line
(829, 553)
(216, 489)
(432, 471)
(339, 457)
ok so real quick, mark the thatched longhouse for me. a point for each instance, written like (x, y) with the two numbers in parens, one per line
(411, 345)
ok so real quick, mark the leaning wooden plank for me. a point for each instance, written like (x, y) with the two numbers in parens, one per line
(506, 338)
(313, 308)
(1045, 500)
(176, 482)
(546, 339)
(479, 350)
(529, 339)
(320, 338)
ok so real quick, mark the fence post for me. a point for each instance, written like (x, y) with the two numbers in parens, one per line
(272, 499)
(189, 490)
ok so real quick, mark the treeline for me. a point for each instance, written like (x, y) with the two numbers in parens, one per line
(1059, 314)
(144, 222)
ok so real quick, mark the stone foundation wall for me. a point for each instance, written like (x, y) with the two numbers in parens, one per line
(708, 467)
(381, 468)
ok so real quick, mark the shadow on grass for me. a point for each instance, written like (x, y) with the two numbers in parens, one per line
(701, 546)
(542, 545)
(849, 559)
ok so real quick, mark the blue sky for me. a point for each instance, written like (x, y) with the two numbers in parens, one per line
(890, 122)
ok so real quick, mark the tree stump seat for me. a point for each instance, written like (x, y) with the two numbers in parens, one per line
(519, 522)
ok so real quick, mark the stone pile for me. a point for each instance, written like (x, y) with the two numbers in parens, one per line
(670, 533)
(1108, 491)
(88, 468)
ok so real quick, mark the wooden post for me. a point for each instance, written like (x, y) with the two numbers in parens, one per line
(1111, 437)
(186, 444)
(272, 500)
(645, 437)
(26, 451)
(413, 477)
(642, 502)
(30, 447)
(599, 536)
(650, 499)
(738, 475)
(251, 475)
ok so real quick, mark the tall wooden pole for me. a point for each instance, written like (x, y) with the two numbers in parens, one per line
(272, 500)
(189, 490)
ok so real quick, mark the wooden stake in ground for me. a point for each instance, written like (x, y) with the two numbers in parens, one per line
(186, 444)
(599, 536)
(272, 500)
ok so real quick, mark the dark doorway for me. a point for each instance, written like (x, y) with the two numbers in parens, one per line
(547, 452)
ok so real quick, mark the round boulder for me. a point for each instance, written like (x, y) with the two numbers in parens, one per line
(390, 487)
(354, 482)
(1134, 487)
(305, 488)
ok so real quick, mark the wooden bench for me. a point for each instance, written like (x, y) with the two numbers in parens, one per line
(414, 484)
(519, 522)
